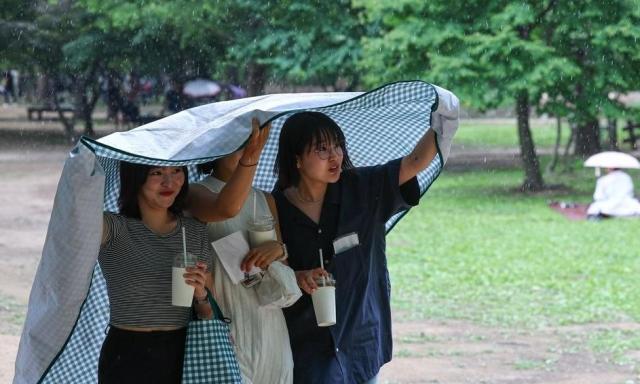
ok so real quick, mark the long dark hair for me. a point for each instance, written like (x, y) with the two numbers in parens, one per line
(132, 178)
(298, 133)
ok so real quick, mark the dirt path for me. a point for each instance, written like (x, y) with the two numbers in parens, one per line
(424, 352)
(460, 352)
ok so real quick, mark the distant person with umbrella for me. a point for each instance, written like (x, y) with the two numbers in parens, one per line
(614, 194)
(175, 100)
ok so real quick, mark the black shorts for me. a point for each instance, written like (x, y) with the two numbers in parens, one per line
(142, 357)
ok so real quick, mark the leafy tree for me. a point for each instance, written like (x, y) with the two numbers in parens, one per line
(16, 25)
(301, 42)
(490, 52)
(601, 40)
(246, 42)
(571, 54)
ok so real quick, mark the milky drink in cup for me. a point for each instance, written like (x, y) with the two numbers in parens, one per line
(261, 229)
(324, 301)
(181, 292)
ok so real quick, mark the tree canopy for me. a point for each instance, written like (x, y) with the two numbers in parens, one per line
(566, 58)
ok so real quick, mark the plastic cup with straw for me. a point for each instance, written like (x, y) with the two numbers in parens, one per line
(324, 300)
(181, 292)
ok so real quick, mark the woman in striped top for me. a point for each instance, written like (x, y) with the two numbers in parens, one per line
(145, 341)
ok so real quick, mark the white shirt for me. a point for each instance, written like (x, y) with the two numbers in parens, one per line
(257, 322)
(614, 196)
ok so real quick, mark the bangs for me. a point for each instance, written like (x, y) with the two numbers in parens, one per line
(324, 134)
(301, 133)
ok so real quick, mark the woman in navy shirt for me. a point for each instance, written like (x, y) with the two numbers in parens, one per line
(325, 203)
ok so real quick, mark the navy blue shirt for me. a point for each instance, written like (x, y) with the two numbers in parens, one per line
(353, 350)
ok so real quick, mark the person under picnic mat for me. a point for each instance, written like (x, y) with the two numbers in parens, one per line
(146, 336)
(257, 322)
(324, 203)
(613, 196)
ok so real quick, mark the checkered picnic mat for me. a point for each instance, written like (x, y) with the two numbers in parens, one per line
(379, 126)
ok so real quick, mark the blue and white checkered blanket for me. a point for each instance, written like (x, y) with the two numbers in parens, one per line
(68, 307)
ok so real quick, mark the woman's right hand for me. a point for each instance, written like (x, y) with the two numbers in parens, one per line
(307, 279)
(258, 139)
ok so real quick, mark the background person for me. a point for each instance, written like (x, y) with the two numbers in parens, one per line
(9, 88)
(614, 196)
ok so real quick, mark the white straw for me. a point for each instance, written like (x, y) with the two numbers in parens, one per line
(184, 245)
(254, 206)
(324, 283)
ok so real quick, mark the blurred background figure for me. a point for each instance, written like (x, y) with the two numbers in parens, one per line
(174, 99)
(8, 87)
(614, 191)
(614, 196)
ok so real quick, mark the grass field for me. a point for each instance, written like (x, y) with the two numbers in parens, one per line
(475, 249)
(502, 133)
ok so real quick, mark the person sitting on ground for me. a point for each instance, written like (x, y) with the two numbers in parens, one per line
(614, 196)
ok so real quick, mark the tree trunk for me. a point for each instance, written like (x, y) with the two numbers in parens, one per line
(86, 93)
(588, 138)
(68, 124)
(82, 107)
(556, 148)
(256, 79)
(612, 133)
(533, 177)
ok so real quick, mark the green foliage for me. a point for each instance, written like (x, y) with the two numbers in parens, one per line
(574, 52)
(296, 41)
(601, 40)
(487, 51)
(16, 26)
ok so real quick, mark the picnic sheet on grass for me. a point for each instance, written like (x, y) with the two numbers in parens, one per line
(577, 212)
(571, 211)
(68, 306)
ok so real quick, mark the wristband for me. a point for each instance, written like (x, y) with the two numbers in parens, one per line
(285, 254)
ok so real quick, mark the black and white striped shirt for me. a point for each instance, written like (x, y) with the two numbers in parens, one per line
(137, 265)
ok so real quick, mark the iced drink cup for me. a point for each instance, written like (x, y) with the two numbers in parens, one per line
(261, 229)
(324, 302)
(181, 292)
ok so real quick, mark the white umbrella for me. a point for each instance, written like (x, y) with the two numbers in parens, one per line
(611, 159)
(201, 88)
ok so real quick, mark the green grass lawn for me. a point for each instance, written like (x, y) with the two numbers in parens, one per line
(475, 249)
(502, 133)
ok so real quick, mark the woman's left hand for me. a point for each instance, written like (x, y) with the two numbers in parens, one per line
(196, 277)
(262, 256)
